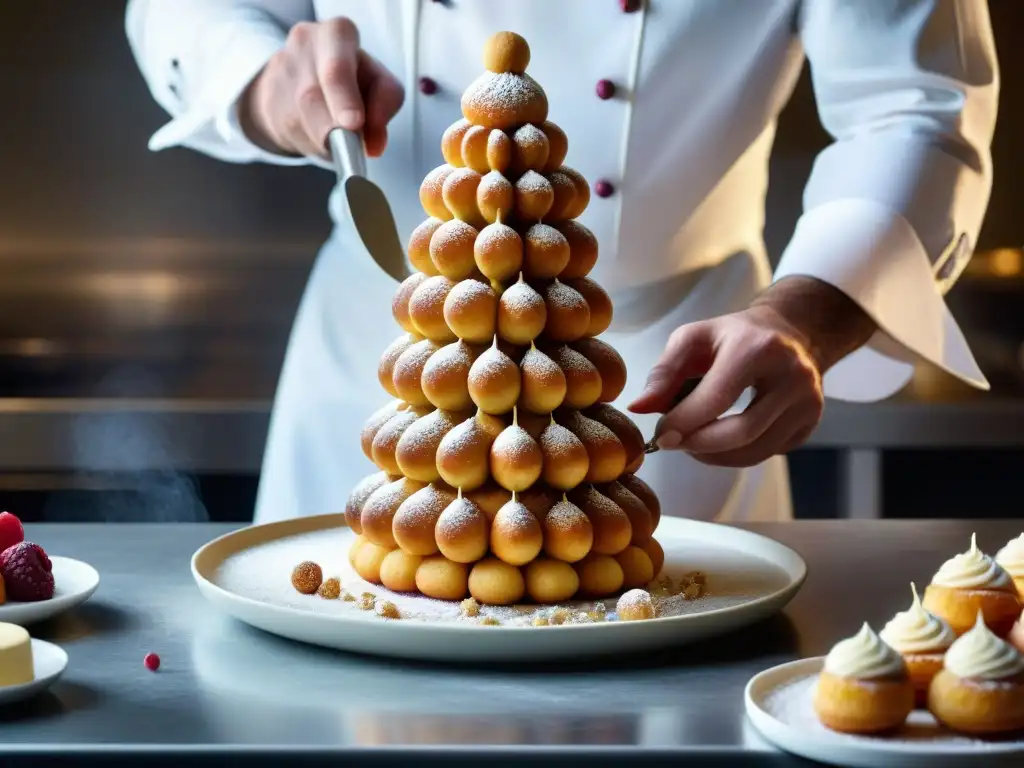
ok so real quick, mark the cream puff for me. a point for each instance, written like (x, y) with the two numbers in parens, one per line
(980, 689)
(1011, 558)
(864, 686)
(972, 582)
(922, 639)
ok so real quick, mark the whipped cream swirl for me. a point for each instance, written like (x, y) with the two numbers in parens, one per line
(863, 656)
(917, 631)
(1011, 557)
(972, 569)
(981, 655)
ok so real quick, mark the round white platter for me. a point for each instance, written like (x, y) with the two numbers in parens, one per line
(48, 661)
(74, 583)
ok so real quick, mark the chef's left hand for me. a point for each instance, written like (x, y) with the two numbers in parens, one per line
(780, 346)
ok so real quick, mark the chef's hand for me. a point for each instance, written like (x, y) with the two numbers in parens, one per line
(781, 346)
(320, 80)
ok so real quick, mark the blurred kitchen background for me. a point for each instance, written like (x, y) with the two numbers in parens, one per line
(145, 302)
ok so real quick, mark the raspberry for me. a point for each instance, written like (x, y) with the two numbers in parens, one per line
(11, 531)
(25, 569)
(152, 662)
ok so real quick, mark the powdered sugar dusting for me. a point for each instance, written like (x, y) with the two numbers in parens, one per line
(595, 504)
(558, 441)
(427, 431)
(545, 236)
(533, 182)
(497, 236)
(515, 445)
(424, 507)
(451, 358)
(521, 297)
(493, 362)
(571, 361)
(434, 181)
(635, 601)
(467, 293)
(496, 94)
(458, 517)
(514, 519)
(564, 517)
(431, 292)
(452, 236)
(589, 430)
(560, 296)
(529, 137)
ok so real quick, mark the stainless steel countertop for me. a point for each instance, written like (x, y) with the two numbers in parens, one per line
(226, 689)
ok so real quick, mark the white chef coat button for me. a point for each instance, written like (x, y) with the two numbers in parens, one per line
(603, 188)
(630, 6)
(605, 89)
(428, 86)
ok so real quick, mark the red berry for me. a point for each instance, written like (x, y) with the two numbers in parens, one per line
(152, 662)
(26, 571)
(11, 531)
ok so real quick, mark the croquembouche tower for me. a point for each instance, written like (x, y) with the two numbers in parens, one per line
(505, 473)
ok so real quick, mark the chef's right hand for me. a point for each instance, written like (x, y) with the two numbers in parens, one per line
(320, 80)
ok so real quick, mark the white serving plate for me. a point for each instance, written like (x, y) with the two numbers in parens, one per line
(48, 662)
(764, 574)
(921, 742)
(74, 583)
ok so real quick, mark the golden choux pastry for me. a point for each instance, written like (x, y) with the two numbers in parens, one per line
(544, 384)
(494, 381)
(583, 385)
(499, 150)
(386, 439)
(440, 578)
(379, 511)
(445, 377)
(516, 535)
(546, 252)
(498, 252)
(606, 452)
(558, 146)
(539, 499)
(506, 52)
(378, 419)
(430, 192)
(451, 142)
(922, 640)
(522, 313)
(495, 197)
(413, 523)
(550, 581)
(398, 571)
(464, 454)
(1011, 559)
(612, 529)
(637, 568)
(462, 532)
(406, 376)
(656, 553)
(629, 434)
(471, 311)
(600, 575)
(494, 582)
(582, 250)
(459, 193)
(635, 605)
(474, 148)
(864, 687)
(609, 364)
(363, 490)
(970, 582)
(568, 533)
(419, 246)
(582, 198)
(400, 302)
(386, 367)
(426, 308)
(516, 458)
(416, 451)
(564, 196)
(980, 689)
(451, 251)
(646, 494)
(1016, 636)
(353, 550)
(529, 149)
(534, 196)
(598, 301)
(638, 514)
(566, 461)
(504, 100)
(567, 311)
(368, 559)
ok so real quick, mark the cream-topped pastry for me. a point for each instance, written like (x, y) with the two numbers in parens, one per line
(864, 657)
(1011, 559)
(980, 655)
(16, 666)
(916, 631)
(972, 569)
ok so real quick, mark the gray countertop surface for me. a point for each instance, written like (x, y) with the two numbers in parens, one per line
(212, 694)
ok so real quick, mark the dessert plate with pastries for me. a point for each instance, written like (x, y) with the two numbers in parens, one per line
(506, 518)
(27, 666)
(931, 688)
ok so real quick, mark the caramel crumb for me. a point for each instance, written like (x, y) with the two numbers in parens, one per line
(489, 621)
(330, 589)
(598, 613)
(470, 607)
(559, 616)
(347, 596)
(388, 610)
(541, 621)
(692, 592)
(367, 600)
(579, 618)
(306, 577)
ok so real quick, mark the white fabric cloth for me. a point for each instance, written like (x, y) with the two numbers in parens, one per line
(908, 89)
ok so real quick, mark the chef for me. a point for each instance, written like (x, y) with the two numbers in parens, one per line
(670, 107)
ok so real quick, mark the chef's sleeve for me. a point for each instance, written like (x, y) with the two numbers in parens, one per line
(198, 56)
(908, 89)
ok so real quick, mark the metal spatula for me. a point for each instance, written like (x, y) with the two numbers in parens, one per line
(366, 204)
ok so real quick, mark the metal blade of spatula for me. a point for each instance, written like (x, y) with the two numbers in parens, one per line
(366, 204)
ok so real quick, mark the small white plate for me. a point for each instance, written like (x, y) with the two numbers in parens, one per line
(74, 583)
(48, 661)
(779, 702)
